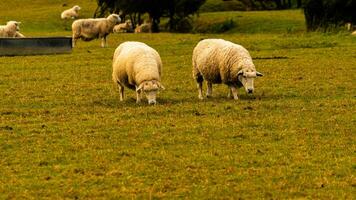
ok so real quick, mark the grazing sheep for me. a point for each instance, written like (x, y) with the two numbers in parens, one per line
(220, 61)
(143, 28)
(353, 33)
(89, 29)
(123, 27)
(10, 29)
(137, 66)
(71, 13)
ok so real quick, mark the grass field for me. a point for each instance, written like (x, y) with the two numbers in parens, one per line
(65, 135)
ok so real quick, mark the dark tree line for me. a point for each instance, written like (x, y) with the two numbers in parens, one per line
(326, 14)
(175, 10)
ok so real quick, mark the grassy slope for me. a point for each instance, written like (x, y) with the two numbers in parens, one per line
(63, 133)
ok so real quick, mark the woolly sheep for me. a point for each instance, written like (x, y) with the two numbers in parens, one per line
(353, 33)
(220, 61)
(89, 29)
(71, 13)
(137, 66)
(10, 29)
(123, 27)
(143, 28)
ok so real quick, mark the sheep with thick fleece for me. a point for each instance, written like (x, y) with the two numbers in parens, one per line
(220, 61)
(137, 66)
(10, 29)
(123, 27)
(71, 13)
(89, 29)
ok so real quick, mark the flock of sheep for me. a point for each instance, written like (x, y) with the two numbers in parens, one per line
(138, 66)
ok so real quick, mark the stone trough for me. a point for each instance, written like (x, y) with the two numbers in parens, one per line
(35, 46)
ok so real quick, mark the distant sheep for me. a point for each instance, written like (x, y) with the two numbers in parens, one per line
(71, 13)
(220, 61)
(10, 30)
(138, 67)
(353, 33)
(123, 27)
(89, 29)
(144, 28)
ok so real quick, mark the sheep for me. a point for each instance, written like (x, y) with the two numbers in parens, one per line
(143, 28)
(353, 33)
(89, 29)
(138, 67)
(10, 29)
(123, 27)
(220, 61)
(71, 13)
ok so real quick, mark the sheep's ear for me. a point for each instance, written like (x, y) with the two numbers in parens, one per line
(160, 86)
(240, 73)
(259, 74)
(140, 87)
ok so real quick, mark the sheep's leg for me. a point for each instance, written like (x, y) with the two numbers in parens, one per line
(233, 90)
(200, 90)
(74, 40)
(199, 79)
(138, 96)
(209, 90)
(103, 42)
(121, 90)
(229, 95)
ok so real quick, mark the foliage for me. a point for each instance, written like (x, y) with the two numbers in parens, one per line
(175, 10)
(328, 14)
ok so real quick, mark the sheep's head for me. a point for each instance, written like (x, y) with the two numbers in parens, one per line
(150, 89)
(246, 77)
(76, 8)
(114, 18)
(14, 25)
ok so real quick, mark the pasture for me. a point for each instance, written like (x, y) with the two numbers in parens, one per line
(65, 135)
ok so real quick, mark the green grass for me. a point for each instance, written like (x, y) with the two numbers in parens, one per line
(64, 133)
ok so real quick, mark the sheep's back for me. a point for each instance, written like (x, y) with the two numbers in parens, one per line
(218, 60)
(136, 61)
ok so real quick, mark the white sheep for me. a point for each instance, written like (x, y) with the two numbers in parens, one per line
(220, 61)
(71, 13)
(89, 29)
(144, 28)
(123, 27)
(137, 66)
(353, 33)
(10, 29)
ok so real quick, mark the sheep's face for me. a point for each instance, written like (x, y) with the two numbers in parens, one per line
(14, 25)
(150, 89)
(114, 18)
(77, 8)
(246, 77)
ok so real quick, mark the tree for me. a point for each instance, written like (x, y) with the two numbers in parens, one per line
(326, 14)
(175, 10)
